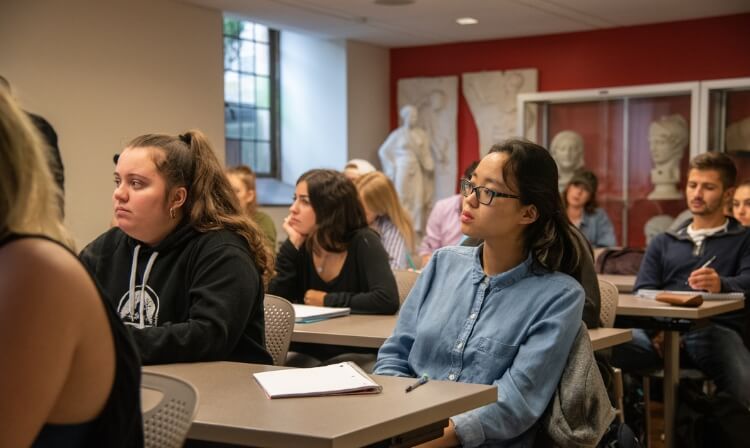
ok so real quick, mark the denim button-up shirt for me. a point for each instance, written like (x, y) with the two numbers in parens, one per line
(513, 330)
(598, 228)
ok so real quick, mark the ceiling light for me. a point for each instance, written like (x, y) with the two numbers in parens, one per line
(394, 2)
(467, 21)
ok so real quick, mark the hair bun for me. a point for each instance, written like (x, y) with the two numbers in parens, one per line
(186, 137)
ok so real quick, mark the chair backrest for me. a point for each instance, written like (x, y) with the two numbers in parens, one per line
(166, 424)
(279, 316)
(609, 295)
(404, 281)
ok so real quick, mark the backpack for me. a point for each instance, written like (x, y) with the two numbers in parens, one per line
(619, 435)
(705, 421)
(625, 261)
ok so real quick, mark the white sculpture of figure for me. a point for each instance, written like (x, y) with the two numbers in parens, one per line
(738, 135)
(406, 159)
(492, 98)
(668, 138)
(436, 100)
(567, 150)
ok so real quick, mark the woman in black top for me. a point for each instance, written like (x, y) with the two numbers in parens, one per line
(70, 374)
(331, 257)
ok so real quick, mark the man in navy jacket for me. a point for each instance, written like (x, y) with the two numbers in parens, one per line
(679, 260)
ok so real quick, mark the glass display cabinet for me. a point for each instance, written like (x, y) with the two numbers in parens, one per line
(637, 140)
(725, 120)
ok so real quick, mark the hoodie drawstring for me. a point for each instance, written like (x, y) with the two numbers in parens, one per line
(131, 289)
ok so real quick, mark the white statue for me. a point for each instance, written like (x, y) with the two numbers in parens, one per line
(492, 98)
(738, 135)
(656, 225)
(406, 159)
(436, 100)
(668, 138)
(567, 150)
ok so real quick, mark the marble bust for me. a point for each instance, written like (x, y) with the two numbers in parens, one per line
(567, 150)
(407, 160)
(668, 138)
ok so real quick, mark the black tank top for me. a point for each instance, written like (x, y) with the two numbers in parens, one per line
(119, 424)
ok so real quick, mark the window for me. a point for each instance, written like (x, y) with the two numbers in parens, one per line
(251, 105)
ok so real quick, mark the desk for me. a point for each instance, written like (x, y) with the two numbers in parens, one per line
(358, 330)
(624, 283)
(233, 409)
(630, 305)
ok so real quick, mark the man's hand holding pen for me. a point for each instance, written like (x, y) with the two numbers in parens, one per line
(705, 278)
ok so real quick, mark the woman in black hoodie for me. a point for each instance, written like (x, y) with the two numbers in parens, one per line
(184, 268)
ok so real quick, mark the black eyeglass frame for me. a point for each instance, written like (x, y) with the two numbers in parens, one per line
(467, 188)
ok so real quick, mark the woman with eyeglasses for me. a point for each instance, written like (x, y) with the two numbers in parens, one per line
(503, 313)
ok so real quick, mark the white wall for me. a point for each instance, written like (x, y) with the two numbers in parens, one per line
(103, 72)
(368, 99)
(313, 104)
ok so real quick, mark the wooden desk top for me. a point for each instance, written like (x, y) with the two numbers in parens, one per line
(624, 283)
(630, 305)
(233, 408)
(370, 331)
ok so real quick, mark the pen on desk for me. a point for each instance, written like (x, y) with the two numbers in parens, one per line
(423, 379)
(705, 265)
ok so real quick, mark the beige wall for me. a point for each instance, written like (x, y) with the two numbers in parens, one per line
(367, 79)
(103, 72)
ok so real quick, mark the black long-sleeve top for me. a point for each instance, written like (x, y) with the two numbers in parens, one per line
(365, 283)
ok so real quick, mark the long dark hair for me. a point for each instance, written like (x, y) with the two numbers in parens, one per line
(338, 212)
(187, 160)
(531, 171)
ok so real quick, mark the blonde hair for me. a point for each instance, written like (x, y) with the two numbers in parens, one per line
(29, 197)
(247, 177)
(187, 160)
(379, 195)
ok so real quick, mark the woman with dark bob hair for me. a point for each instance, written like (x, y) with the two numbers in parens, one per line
(503, 313)
(579, 201)
(332, 257)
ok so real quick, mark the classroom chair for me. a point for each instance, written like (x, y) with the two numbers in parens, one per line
(166, 424)
(404, 282)
(279, 317)
(609, 296)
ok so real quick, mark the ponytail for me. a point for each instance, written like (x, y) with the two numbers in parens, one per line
(188, 160)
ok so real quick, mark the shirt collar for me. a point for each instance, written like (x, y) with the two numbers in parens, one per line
(503, 279)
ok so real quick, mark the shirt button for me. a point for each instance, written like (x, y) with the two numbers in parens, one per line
(473, 316)
(460, 344)
(452, 377)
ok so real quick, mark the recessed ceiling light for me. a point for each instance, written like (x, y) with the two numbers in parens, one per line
(467, 21)
(394, 2)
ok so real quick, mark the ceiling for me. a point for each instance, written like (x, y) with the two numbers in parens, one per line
(428, 22)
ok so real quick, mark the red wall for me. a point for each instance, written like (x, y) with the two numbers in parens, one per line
(692, 50)
(669, 52)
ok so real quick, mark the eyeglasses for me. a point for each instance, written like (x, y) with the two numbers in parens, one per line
(484, 195)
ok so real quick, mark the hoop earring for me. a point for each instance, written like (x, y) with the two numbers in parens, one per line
(172, 214)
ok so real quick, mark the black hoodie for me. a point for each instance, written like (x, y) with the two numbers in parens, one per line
(203, 294)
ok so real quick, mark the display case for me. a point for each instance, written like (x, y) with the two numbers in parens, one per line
(637, 140)
(725, 120)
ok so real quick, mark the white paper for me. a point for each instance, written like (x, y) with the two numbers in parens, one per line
(309, 313)
(341, 378)
(651, 294)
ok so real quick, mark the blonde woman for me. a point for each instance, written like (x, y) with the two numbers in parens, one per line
(385, 215)
(68, 361)
(242, 179)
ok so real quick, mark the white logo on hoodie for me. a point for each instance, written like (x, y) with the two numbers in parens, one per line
(146, 299)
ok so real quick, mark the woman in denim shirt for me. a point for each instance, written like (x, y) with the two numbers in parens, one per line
(579, 200)
(504, 313)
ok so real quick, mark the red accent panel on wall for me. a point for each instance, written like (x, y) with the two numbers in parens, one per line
(690, 50)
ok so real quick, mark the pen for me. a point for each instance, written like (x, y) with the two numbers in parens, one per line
(423, 379)
(705, 265)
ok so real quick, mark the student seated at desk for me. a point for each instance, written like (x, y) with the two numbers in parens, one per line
(505, 312)
(710, 252)
(741, 203)
(386, 216)
(332, 258)
(184, 267)
(579, 200)
(70, 373)
(242, 179)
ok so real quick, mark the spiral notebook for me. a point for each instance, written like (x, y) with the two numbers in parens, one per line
(337, 379)
(652, 293)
